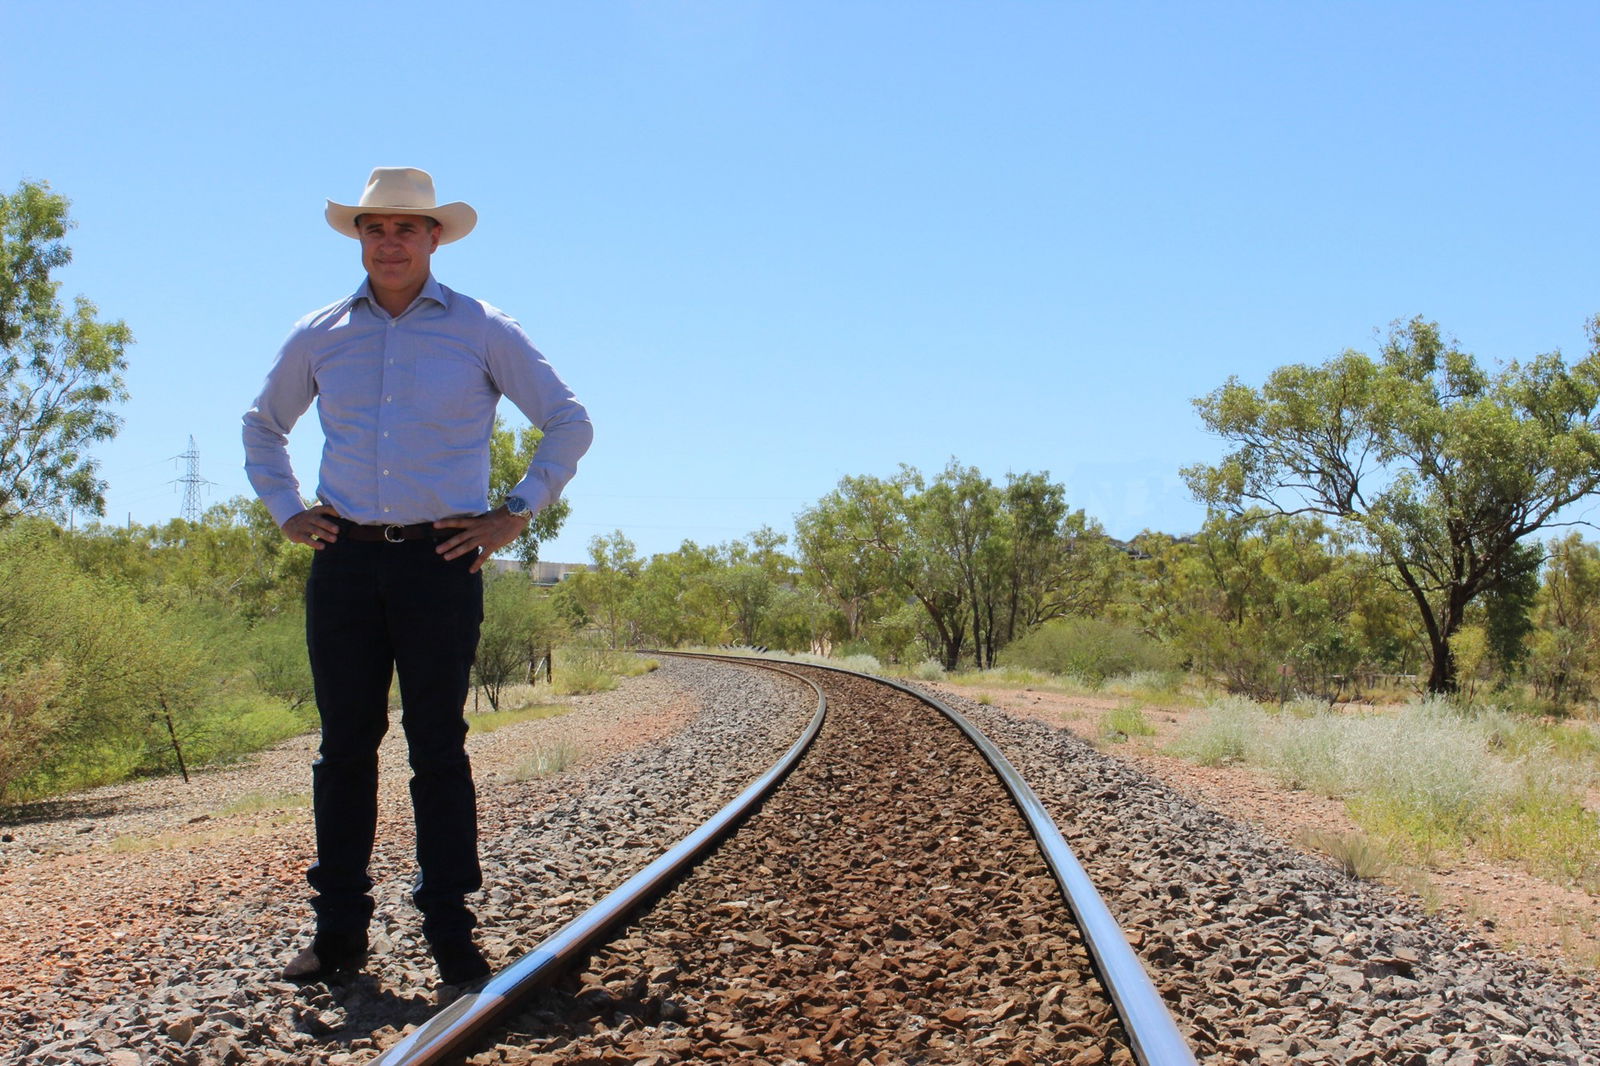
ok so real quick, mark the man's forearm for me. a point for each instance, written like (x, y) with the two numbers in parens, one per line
(556, 460)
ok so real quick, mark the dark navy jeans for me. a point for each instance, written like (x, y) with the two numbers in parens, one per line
(374, 611)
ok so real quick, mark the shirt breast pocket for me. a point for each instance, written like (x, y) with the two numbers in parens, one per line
(451, 388)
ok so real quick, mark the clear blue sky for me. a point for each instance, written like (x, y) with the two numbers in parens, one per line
(774, 244)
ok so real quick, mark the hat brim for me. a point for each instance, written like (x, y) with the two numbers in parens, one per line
(455, 220)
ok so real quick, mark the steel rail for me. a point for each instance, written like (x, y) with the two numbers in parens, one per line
(449, 1031)
(1152, 1033)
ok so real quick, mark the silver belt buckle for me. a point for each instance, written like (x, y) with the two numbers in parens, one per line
(394, 533)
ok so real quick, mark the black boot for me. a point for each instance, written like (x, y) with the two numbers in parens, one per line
(460, 961)
(330, 954)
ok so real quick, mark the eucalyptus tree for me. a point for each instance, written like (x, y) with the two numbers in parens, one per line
(510, 454)
(982, 562)
(1270, 604)
(600, 595)
(1564, 660)
(1442, 466)
(676, 599)
(1056, 562)
(849, 548)
(61, 371)
(750, 578)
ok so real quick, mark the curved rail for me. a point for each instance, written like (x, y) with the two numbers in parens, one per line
(449, 1031)
(1152, 1033)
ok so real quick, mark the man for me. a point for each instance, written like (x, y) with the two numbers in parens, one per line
(406, 375)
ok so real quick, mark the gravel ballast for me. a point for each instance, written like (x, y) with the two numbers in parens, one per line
(170, 954)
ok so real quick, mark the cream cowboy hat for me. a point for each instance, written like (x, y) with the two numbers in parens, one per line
(403, 191)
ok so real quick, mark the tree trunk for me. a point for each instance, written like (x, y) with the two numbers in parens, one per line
(1442, 678)
(1442, 675)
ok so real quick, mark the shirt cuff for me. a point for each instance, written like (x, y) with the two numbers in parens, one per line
(534, 491)
(283, 506)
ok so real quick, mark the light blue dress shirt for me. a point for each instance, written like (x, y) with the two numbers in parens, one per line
(407, 407)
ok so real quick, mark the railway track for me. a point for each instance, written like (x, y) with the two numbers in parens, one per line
(889, 903)
(1266, 954)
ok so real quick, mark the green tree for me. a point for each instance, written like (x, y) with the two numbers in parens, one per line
(751, 579)
(1270, 605)
(984, 563)
(519, 625)
(510, 454)
(796, 620)
(600, 595)
(234, 560)
(952, 554)
(1055, 563)
(1441, 466)
(1507, 604)
(848, 544)
(60, 371)
(676, 599)
(1564, 658)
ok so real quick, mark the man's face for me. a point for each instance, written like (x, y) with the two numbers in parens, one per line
(395, 250)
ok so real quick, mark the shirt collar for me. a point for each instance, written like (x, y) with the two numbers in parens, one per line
(431, 290)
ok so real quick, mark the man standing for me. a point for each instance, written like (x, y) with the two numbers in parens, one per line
(406, 374)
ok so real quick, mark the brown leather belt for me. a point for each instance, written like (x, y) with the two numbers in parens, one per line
(392, 534)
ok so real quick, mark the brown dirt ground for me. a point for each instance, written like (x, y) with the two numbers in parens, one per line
(1506, 904)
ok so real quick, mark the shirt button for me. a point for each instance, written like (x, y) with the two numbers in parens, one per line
(386, 510)
(388, 399)
(385, 433)
(386, 473)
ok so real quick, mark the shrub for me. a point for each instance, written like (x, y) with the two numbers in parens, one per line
(1164, 685)
(29, 710)
(1430, 776)
(1357, 854)
(1426, 771)
(1305, 752)
(861, 664)
(278, 660)
(1228, 731)
(589, 666)
(1017, 677)
(118, 663)
(548, 759)
(1088, 648)
(1120, 723)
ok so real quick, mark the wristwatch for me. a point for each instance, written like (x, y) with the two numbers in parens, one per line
(517, 506)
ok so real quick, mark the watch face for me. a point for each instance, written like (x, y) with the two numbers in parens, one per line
(517, 505)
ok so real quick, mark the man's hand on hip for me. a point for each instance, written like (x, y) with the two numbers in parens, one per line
(315, 526)
(488, 532)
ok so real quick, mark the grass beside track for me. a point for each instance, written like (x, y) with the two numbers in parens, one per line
(1428, 779)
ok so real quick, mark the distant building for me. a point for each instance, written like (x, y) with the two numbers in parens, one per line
(543, 573)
